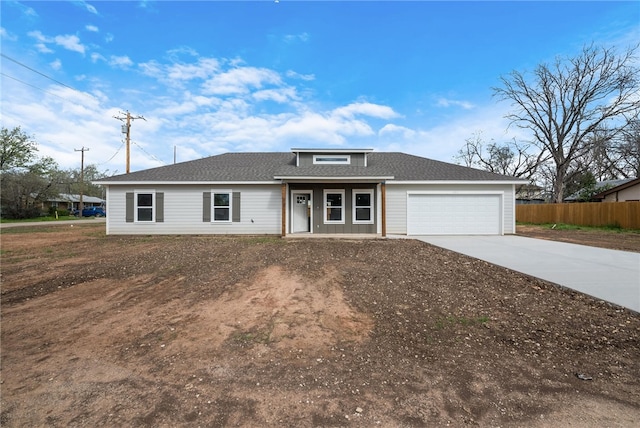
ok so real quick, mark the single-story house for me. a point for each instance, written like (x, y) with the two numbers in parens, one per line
(311, 191)
(628, 190)
(69, 202)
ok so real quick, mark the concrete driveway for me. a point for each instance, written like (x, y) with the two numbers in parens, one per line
(610, 275)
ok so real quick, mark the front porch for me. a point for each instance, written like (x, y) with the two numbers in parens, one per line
(330, 209)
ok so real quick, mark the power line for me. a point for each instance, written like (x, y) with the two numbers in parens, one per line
(149, 154)
(33, 86)
(38, 72)
(114, 155)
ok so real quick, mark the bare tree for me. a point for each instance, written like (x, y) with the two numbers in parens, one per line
(509, 158)
(568, 101)
(627, 148)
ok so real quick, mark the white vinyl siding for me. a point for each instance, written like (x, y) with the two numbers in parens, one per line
(397, 196)
(260, 211)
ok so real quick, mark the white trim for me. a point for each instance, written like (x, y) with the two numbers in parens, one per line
(297, 150)
(353, 179)
(164, 183)
(213, 206)
(379, 212)
(337, 161)
(372, 211)
(153, 207)
(455, 192)
(404, 182)
(513, 209)
(342, 207)
(306, 192)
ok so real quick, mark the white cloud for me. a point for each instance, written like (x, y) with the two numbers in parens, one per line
(95, 57)
(281, 95)
(7, 36)
(292, 74)
(109, 38)
(120, 61)
(240, 81)
(178, 73)
(365, 109)
(92, 28)
(89, 8)
(292, 38)
(445, 102)
(56, 65)
(70, 42)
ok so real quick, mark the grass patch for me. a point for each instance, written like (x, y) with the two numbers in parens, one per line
(39, 219)
(464, 321)
(265, 240)
(613, 228)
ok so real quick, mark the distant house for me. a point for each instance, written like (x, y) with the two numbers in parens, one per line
(629, 190)
(600, 187)
(311, 191)
(69, 202)
(531, 194)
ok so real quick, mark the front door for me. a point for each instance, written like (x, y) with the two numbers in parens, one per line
(301, 212)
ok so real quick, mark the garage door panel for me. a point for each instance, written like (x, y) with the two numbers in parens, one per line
(454, 214)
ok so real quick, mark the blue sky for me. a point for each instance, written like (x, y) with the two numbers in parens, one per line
(212, 77)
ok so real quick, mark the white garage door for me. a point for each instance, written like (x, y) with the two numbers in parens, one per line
(454, 214)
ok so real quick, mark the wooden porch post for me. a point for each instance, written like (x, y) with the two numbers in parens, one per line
(284, 209)
(383, 189)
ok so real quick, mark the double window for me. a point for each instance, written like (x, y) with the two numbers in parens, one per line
(222, 203)
(334, 206)
(144, 206)
(362, 206)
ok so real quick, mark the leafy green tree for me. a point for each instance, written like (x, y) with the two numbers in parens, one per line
(17, 149)
(26, 180)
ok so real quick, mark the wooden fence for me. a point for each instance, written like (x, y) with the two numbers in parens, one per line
(623, 214)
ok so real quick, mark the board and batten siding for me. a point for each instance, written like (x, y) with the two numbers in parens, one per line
(396, 202)
(260, 211)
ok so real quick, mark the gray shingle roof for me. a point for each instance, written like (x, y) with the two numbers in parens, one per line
(253, 167)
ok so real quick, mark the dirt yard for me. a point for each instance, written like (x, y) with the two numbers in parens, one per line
(104, 331)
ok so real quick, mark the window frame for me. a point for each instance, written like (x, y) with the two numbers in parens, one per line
(342, 206)
(371, 206)
(227, 192)
(317, 159)
(136, 207)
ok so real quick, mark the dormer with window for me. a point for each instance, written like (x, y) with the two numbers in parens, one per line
(348, 157)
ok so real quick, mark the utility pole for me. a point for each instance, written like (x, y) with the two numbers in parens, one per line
(126, 129)
(82, 150)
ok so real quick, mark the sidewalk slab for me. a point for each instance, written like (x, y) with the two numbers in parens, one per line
(610, 275)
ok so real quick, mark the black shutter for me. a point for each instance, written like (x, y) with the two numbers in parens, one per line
(159, 207)
(206, 207)
(129, 207)
(236, 207)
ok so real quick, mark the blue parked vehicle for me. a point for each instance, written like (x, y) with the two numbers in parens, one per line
(91, 212)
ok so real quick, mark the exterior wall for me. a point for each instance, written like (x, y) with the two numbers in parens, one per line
(628, 194)
(396, 202)
(260, 211)
(319, 226)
